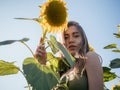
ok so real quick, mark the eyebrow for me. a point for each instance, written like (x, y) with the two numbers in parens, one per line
(72, 33)
(76, 33)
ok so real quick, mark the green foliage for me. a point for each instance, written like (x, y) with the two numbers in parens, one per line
(110, 46)
(54, 61)
(70, 60)
(115, 63)
(56, 46)
(117, 50)
(114, 48)
(117, 35)
(46, 74)
(108, 75)
(8, 68)
(6, 42)
(53, 44)
(37, 75)
(40, 77)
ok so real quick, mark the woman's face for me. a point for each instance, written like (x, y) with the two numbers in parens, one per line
(73, 40)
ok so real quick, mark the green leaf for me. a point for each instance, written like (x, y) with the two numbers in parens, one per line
(115, 63)
(24, 39)
(106, 69)
(110, 46)
(69, 58)
(53, 44)
(40, 77)
(117, 35)
(6, 42)
(8, 68)
(54, 61)
(108, 76)
(34, 19)
(56, 46)
(117, 50)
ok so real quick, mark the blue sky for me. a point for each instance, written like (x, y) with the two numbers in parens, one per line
(99, 19)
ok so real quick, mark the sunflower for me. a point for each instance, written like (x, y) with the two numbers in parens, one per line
(90, 48)
(54, 16)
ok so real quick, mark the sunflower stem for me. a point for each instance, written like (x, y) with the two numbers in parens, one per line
(28, 47)
(44, 34)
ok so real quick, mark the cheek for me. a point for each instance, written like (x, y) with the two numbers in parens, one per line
(79, 44)
(66, 42)
(79, 41)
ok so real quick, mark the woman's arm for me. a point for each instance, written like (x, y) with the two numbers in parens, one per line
(94, 71)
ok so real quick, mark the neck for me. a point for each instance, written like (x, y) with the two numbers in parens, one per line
(76, 55)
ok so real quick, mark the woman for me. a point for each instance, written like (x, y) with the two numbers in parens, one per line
(87, 72)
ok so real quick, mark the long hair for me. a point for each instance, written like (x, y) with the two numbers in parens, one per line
(84, 48)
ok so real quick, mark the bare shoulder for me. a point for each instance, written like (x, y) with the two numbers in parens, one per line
(93, 56)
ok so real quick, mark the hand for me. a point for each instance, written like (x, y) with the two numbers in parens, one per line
(40, 53)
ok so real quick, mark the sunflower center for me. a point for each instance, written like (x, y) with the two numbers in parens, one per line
(56, 13)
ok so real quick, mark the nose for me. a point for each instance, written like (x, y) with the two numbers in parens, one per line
(71, 39)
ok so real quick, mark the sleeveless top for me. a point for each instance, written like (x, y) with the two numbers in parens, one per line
(74, 79)
(80, 83)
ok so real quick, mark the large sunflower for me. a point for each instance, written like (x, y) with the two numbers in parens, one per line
(54, 16)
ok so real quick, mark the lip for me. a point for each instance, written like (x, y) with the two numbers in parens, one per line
(72, 47)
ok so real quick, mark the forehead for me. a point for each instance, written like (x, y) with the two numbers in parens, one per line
(72, 29)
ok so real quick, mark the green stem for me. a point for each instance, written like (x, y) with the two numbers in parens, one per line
(25, 78)
(43, 37)
(27, 47)
(44, 33)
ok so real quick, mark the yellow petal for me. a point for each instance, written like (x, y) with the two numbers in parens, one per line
(54, 14)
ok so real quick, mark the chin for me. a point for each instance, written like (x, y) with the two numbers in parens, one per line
(72, 53)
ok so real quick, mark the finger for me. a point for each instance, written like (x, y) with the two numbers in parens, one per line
(41, 50)
(42, 46)
(37, 52)
(41, 40)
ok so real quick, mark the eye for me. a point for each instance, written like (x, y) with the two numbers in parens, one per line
(76, 35)
(66, 36)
